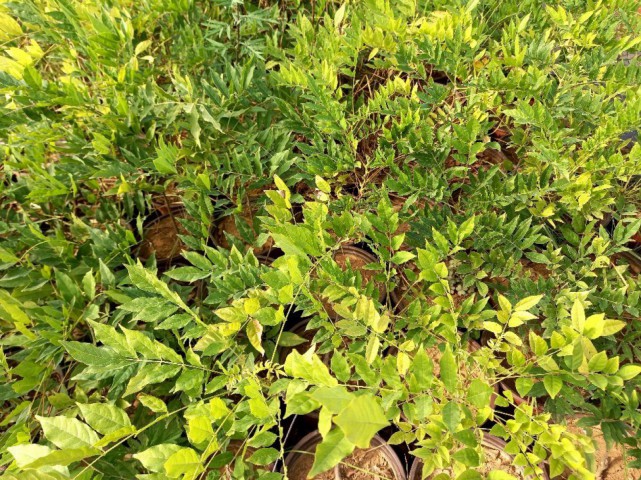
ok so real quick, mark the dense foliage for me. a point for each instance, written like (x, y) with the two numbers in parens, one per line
(480, 151)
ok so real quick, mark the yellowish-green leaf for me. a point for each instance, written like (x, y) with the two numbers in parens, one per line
(199, 429)
(103, 417)
(65, 432)
(361, 420)
(553, 384)
(309, 367)
(610, 327)
(155, 457)
(578, 316)
(330, 452)
(528, 303)
(154, 404)
(372, 349)
(184, 463)
(9, 28)
(27, 453)
(254, 333)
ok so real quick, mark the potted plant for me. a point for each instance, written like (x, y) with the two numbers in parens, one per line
(493, 458)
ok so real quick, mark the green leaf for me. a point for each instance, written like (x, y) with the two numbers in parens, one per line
(361, 420)
(264, 456)
(148, 282)
(468, 457)
(422, 370)
(479, 393)
(64, 457)
(297, 240)
(149, 375)
(111, 338)
(190, 381)
(334, 448)
(537, 344)
(449, 374)
(593, 327)
(9, 28)
(106, 277)
(185, 462)
(402, 257)
(155, 457)
(187, 274)
(451, 416)
(524, 385)
(553, 384)
(466, 229)
(66, 432)
(116, 435)
(309, 367)
(598, 362)
(103, 417)
(340, 366)
(94, 356)
(575, 360)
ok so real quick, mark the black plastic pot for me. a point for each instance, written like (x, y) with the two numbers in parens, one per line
(299, 461)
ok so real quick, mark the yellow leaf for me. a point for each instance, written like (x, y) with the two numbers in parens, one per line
(9, 28)
(11, 67)
(20, 56)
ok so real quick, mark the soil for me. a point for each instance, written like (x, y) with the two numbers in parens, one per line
(535, 271)
(497, 459)
(610, 461)
(299, 469)
(372, 463)
(161, 238)
(165, 203)
(358, 262)
(228, 225)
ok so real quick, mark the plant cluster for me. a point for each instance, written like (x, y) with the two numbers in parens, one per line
(229, 225)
